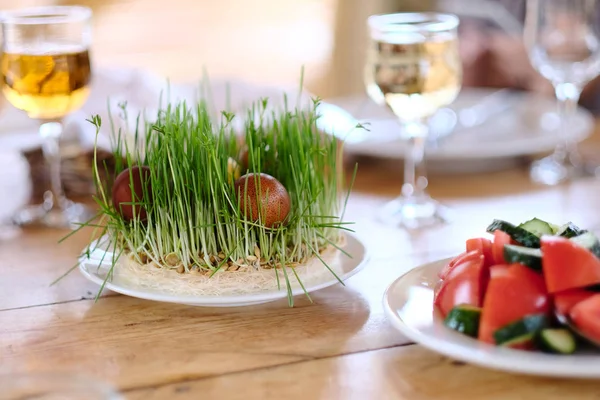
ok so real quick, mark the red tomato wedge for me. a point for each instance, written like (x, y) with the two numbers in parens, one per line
(500, 239)
(586, 316)
(465, 284)
(451, 265)
(567, 265)
(472, 255)
(484, 246)
(565, 301)
(512, 293)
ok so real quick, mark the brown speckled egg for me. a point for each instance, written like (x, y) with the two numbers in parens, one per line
(267, 191)
(123, 191)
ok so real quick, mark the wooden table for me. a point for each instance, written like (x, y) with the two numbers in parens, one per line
(340, 347)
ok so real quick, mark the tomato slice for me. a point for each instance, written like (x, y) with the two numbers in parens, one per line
(450, 265)
(567, 265)
(586, 316)
(472, 255)
(484, 246)
(513, 293)
(465, 284)
(457, 259)
(565, 301)
(500, 239)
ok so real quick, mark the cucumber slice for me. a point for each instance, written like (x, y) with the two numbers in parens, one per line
(559, 341)
(537, 227)
(530, 325)
(531, 258)
(523, 236)
(464, 319)
(525, 342)
(589, 241)
(555, 228)
(570, 230)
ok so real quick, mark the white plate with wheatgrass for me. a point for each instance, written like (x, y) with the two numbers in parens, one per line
(203, 216)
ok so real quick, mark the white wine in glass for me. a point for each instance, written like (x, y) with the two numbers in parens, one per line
(413, 67)
(562, 38)
(49, 82)
(45, 68)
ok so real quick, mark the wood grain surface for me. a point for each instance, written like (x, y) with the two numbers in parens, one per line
(339, 347)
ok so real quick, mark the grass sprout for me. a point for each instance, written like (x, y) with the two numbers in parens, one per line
(194, 224)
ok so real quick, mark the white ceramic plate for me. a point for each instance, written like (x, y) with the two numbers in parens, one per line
(527, 125)
(95, 270)
(408, 303)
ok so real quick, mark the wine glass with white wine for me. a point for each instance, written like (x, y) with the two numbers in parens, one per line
(413, 67)
(562, 38)
(45, 69)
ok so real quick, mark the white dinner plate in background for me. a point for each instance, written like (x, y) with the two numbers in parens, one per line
(526, 125)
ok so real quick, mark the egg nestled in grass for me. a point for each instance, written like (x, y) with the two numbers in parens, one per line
(132, 186)
(263, 199)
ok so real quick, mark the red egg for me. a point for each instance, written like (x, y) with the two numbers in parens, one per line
(266, 191)
(131, 186)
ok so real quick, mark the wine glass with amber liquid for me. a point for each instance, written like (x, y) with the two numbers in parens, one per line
(413, 68)
(45, 69)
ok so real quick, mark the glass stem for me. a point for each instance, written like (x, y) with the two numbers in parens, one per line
(567, 95)
(415, 174)
(50, 131)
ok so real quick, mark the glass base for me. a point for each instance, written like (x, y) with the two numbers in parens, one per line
(70, 216)
(414, 213)
(549, 171)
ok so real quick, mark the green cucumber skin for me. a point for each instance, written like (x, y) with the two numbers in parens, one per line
(531, 324)
(512, 256)
(520, 235)
(570, 230)
(544, 341)
(464, 320)
(596, 250)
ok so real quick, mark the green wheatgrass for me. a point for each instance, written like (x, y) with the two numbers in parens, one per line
(193, 213)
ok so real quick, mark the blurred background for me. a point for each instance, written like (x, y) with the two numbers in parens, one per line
(264, 41)
(268, 41)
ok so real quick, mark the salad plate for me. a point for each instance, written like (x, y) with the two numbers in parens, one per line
(97, 264)
(409, 305)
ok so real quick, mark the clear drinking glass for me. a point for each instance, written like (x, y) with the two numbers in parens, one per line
(54, 386)
(45, 68)
(413, 67)
(562, 40)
